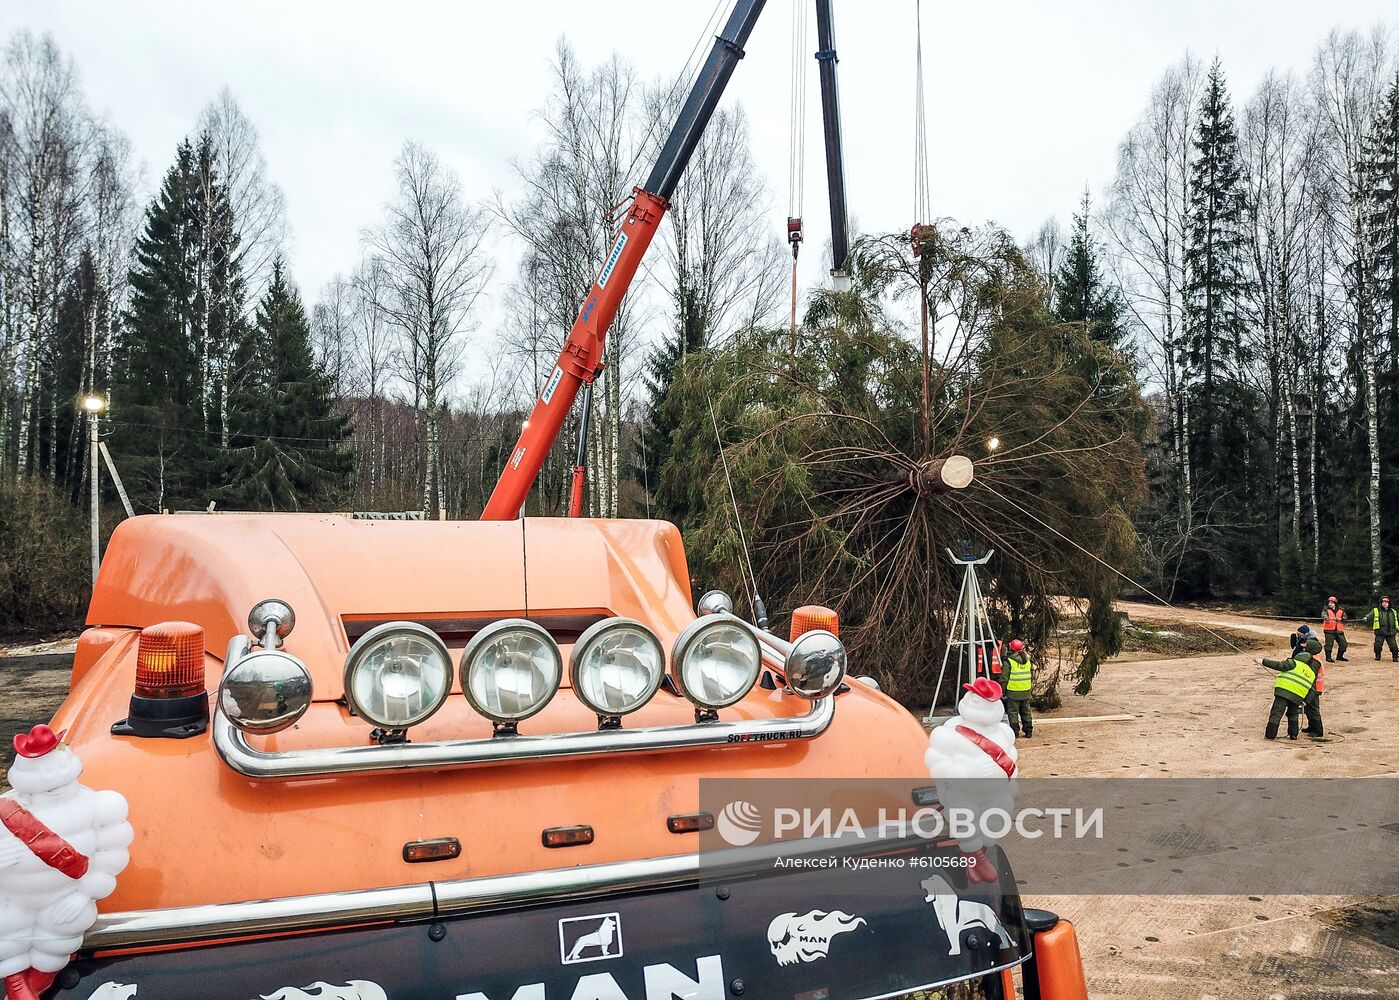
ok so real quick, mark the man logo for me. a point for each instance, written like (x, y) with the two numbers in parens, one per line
(807, 938)
(739, 823)
(590, 939)
(355, 989)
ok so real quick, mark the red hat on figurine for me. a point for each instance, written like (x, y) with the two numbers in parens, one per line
(982, 687)
(38, 741)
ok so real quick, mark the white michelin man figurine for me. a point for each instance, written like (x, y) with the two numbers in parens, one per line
(62, 846)
(972, 758)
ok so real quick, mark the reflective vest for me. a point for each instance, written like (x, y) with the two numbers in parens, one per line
(1297, 679)
(1021, 674)
(1335, 620)
(1380, 615)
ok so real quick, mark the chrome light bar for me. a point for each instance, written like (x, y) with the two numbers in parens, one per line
(138, 928)
(284, 765)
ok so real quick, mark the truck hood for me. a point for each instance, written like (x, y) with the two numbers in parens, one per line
(341, 574)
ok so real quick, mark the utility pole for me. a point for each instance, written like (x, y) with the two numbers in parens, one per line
(93, 405)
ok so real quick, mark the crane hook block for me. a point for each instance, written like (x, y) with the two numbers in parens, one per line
(794, 230)
(920, 235)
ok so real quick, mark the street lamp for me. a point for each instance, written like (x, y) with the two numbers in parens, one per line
(93, 405)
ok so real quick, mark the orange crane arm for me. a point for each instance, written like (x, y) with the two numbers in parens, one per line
(580, 361)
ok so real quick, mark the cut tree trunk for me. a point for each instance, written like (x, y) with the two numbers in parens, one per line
(937, 476)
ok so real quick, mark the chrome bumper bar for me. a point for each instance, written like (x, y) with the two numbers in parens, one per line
(284, 765)
(430, 900)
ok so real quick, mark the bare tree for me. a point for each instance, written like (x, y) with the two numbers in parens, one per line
(374, 344)
(436, 266)
(575, 189)
(44, 150)
(1045, 252)
(332, 322)
(259, 207)
(1278, 148)
(259, 216)
(1347, 80)
(718, 269)
(1147, 218)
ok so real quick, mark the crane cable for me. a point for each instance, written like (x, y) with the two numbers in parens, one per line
(921, 199)
(921, 218)
(1025, 509)
(796, 164)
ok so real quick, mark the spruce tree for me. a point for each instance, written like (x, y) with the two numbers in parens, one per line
(1215, 295)
(662, 368)
(164, 454)
(285, 447)
(1082, 295)
(1215, 253)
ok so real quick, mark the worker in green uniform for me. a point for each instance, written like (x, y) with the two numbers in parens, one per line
(1294, 684)
(1384, 619)
(1020, 682)
(1312, 705)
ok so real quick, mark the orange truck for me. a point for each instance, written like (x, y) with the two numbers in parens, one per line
(465, 760)
(415, 760)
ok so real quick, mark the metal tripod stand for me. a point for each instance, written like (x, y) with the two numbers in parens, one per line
(971, 622)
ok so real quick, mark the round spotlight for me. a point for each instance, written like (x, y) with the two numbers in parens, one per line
(816, 665)
(265, 692)
(397, 675)
(616, 666)
(510, 670)
(271, 611)
(716, 661)
(713, 602)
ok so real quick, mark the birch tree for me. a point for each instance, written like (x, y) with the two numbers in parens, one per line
(259, 213)
(45, 137)
(375, 347)
(436, 266)
(1278, 150)
(1347, 81)
(1147, 218)
(576, 188)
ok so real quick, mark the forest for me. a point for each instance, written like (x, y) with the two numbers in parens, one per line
(1191, 388)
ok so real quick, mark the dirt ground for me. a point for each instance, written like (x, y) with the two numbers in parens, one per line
(1203, 717)
(33, 681)
(1192, 716)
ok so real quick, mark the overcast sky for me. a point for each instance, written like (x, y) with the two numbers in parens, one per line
(1027, 99)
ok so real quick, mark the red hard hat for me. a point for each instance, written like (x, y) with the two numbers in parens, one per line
(1016, 646)
(1333, 600)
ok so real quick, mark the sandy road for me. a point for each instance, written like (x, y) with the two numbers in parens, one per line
(1203, 717)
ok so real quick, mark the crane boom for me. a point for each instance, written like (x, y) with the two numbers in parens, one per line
(830, 121)
(580, 361)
